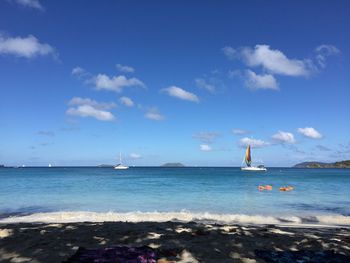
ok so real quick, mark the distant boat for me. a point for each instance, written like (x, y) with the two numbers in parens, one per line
(120, 166)
(248, 162)
(50, 165)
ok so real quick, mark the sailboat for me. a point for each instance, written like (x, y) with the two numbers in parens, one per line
(120, 166)
(248, 162)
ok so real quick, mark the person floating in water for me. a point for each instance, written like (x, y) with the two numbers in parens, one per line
(286, 188)
(265, 187)
(269, 188)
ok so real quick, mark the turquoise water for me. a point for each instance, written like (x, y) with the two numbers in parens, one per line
(195, 192)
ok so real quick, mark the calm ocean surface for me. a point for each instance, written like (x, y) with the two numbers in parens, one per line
(136, 194)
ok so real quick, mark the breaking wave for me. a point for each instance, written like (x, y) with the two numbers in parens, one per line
(182, 216)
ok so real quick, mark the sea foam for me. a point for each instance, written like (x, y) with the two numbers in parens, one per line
(183, 216)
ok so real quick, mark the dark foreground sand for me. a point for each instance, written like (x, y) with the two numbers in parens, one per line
(177, 242)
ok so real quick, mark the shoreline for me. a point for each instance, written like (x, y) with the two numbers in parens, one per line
(175, 241)
(320, 221)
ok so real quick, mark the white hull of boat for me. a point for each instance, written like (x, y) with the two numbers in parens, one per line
(252, 168)
(121, 167)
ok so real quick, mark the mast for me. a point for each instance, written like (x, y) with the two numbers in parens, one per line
(120, 157)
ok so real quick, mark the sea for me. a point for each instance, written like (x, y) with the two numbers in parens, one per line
(205, 194)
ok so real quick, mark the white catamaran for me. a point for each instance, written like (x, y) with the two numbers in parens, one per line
(248, 162)
(120, 166)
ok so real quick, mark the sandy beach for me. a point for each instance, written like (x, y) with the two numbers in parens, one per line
(176, 241)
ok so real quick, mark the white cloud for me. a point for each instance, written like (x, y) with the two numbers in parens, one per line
(205, 147)
(274, 61)
(78, 71)
(126, 101)
(125, 69)
(201, 83)
(154, 114)
(310, 133)
(86, 101)
(181, 94)
(90, 111)
(264, 81)
(239, 131)
(284, 137)
(230, 52)
(116, 83)
(255, 143)
(324, 51)
(27, 47)
(207, 137)
(85, 107)
(30, 3)
(135, 156)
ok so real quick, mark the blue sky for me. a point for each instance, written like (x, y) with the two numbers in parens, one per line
(174, 81)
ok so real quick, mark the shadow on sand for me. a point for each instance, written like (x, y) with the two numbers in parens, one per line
(176, 242)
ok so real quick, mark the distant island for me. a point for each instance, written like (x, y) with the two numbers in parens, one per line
(173, 165)
(105, 165)
(341, 164)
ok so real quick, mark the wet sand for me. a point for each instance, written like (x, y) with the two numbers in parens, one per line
(176, 241)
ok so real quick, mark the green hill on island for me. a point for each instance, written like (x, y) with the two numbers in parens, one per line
(341, 164)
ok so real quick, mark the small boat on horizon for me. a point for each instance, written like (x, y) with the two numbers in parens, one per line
(248, 162)
(120, 166)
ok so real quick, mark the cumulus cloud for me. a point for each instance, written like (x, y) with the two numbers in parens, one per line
(324, 51)
(124, 68)
(180, 94)
(206, 137)
(263, 81)
(86, 101)
(239, 132)
(126, 101)
(230, 52)
(154, 114)
(80, 72)
(29, 3)
(310, 133)
(135, 156)
(205, 147)
(28, 47)
(85, 107)
(203, 84)
(104, 82)
(116, 83)
(274, 61)
(255, 143)
(90, 111)
(283, 137)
